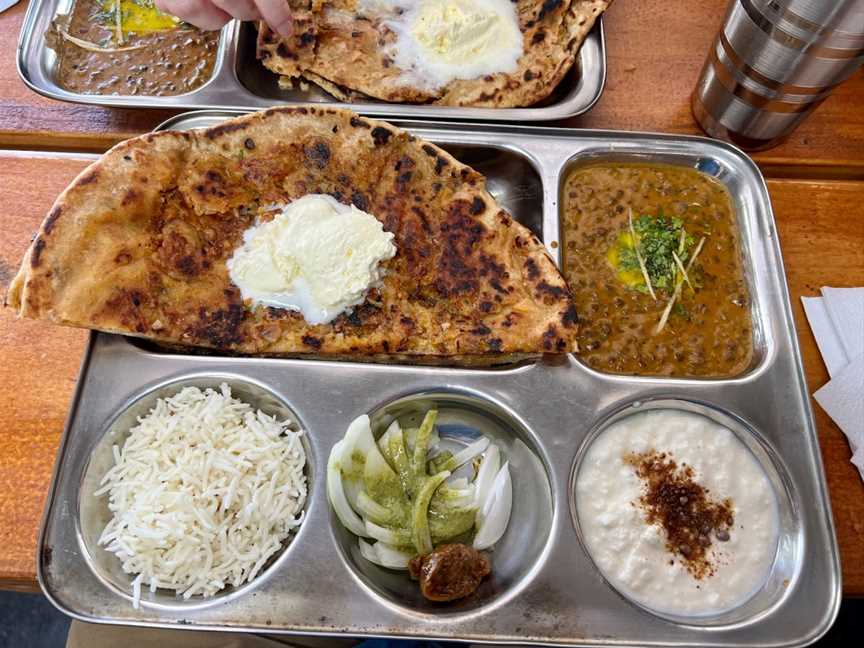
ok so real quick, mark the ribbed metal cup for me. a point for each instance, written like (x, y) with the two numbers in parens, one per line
(772, 63)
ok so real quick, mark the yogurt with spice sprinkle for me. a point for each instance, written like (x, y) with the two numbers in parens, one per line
(677, 513)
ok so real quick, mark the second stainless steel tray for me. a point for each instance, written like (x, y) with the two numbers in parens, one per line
(240, 81)
(559, 598)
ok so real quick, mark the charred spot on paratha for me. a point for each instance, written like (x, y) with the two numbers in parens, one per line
(129, 197)
(126, 305)
(312, 341)
(89, 177)
(179, 250)
(359, 201)
(224, 128)
(570, 317)
(478, 206)
(221, 328)
(531, 269)
(459, 269)
(36, 251)
(381, 135)
(552, 341)
(318, 153)
(51, 219)
(555, 292)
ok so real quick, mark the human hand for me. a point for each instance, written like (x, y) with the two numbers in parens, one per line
(213, 14)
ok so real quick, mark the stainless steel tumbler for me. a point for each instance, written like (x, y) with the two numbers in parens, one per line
(772, 63)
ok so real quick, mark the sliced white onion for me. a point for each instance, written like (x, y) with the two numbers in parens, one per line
(369, 508)
(376, 464)
(383, 555)
(367, 551)
(459, 483)
(336, 493)
(495, 514)
(358, 436)
(352, 487)
(467, 454)
(489, 468)
(386, 535)
(394, 428)
(460, 497)
(392, 557)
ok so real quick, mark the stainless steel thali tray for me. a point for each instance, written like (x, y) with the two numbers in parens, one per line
(240, 81)
(551, 592)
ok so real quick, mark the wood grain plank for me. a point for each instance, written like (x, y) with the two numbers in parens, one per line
(37, 373)
(821, 227)
(655, 51)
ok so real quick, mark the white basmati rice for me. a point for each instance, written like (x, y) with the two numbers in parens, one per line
(204, 491)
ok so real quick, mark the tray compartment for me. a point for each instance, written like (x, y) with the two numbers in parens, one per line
(93, 513)
(788, 557)
(462, 418)
(511, 177)
(737, 185)
(42, 67)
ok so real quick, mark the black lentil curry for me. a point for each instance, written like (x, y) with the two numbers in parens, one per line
(653, 258)
(128, 47)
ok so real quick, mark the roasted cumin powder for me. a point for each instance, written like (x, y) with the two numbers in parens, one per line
(690, 518)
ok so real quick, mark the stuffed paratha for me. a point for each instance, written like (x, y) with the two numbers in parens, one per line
(346, 47)
(138, 245)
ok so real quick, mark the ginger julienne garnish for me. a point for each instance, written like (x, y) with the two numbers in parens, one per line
(679, 283)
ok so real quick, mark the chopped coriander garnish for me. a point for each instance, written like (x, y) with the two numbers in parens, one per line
(658, 240)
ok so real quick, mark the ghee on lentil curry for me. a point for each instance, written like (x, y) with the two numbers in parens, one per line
(129, 47)
(652, 255)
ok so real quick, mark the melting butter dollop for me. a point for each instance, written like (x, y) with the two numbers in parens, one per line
(442, 40)
(317, 256)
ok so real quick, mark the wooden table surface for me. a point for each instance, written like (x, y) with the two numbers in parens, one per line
(655, 51)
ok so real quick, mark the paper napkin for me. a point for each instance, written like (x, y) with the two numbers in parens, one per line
(827, 337)
(845, 307)
(843, 399)
(837, 320)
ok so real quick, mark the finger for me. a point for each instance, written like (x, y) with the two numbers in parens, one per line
(277, 14)
(201, 13)
(240, 9)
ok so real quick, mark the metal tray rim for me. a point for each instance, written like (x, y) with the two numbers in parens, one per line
(821, 518)
(228, 85)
